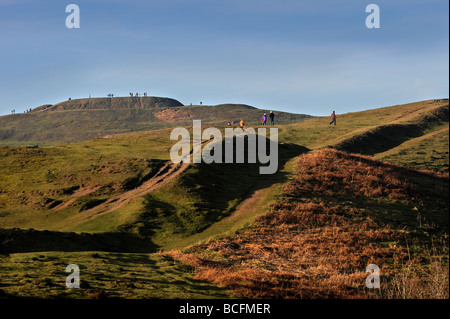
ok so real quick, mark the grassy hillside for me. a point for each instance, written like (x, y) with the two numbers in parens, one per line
(377, 131)
(36, 180)
(316, 133)
(122, 183)
(84, 119)
(117, 199)
(427, 152)
(103, 275)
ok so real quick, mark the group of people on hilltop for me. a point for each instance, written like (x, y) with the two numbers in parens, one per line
(241, 123)
(137, 94)
(26, 111)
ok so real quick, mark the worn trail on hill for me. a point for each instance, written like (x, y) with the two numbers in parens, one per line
(166, 174)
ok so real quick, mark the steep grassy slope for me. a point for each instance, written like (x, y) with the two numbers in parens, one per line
(316, 133)
(36, 180)
(427, 152)
(124, 183)
(377, 131)
(79, 120)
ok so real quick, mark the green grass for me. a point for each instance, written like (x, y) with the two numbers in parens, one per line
(102, 275)
(428, 152)
(317, 133)
(33, 178)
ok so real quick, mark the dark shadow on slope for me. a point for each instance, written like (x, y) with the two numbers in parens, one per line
(216, 189)
(212, 192)
(380, 139)
(149, 221)
(386, 137)
(29, 240)
(136, 181)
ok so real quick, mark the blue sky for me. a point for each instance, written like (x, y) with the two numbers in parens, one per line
(292, 55)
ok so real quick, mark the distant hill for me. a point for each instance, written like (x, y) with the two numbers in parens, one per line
(84, 119)
(115, 103)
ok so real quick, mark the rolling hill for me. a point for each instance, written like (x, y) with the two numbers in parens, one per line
(339, 214)
(113, 201)
(380, 132)
(84, 119)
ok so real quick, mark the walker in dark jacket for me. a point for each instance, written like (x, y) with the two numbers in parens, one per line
(272, 116)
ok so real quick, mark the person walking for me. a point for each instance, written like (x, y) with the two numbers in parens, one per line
(264, 119)
(333, 118)
(241, 124)
(272, 116)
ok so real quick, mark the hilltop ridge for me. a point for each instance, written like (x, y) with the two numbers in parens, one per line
(107, 103)
(83, 119)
